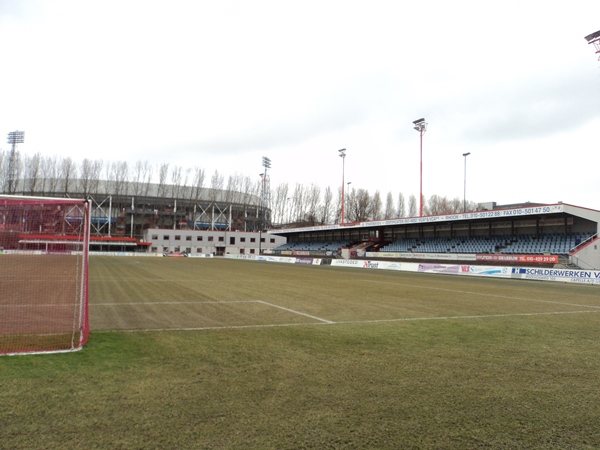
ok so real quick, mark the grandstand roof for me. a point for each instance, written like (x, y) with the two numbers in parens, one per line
(502, 212)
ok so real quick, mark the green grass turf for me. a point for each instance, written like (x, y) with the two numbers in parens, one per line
(357, 359)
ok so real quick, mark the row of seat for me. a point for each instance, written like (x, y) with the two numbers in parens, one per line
(314, 246)
(554, 243)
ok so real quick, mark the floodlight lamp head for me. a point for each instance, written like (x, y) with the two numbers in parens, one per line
(16, 137)
(420, 125)
(342, 152)
(266, 162)
(594, 38)
(466, 154)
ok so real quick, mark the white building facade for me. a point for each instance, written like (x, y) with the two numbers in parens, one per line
(217, 243)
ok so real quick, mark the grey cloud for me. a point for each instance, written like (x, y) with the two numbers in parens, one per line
(531, 109)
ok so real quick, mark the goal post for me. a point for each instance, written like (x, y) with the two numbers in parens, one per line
(44, 255)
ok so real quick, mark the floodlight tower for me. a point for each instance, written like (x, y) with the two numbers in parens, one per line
(343, 156)
(265, 194)
(594, 38)
(14, 138)
(421, 126)
(465, 187)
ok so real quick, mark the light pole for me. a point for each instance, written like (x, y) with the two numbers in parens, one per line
(14, 138)
(260, 220)
(465, 190)
(343, 156)
(420, 125)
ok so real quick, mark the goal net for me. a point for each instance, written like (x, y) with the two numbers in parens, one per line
(43, 274)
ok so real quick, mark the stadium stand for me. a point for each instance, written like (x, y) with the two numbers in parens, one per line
(313, 246)
(557, 244)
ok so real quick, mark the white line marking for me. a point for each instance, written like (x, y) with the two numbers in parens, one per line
(217, 302)
(296, 312)
(482, 294)
(229, 327)
(175, 303)
(406, 319)
(482, 316)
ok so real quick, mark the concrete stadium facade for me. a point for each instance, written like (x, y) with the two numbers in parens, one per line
(128, 209)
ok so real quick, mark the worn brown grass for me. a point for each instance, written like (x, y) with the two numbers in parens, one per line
(254, 355)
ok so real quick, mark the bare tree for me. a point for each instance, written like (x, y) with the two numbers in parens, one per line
(360, 205)
(32, 171)
(198, 183)
(185, 182)
(216, 186)
(68, 173)
(163, 172)
(50, 173)
(313, 199)
(95, 173)
(401, 210)
(326, 207)
(442, 205)
(176, 180)
(279, 202)
(233, 185)
(298, 203)
(85, 175)
(412, 206)
(248, 187)
(375, 211)
(338, 206)
(390, 212)
(120, 174)
(140, 177)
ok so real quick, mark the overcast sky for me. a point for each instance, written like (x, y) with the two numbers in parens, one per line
(219, 84)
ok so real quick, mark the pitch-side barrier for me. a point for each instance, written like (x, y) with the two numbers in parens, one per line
(522, 273)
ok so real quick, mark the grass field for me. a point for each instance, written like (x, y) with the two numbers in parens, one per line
(194, 353)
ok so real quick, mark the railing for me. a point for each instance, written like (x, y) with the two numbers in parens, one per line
(583, 243)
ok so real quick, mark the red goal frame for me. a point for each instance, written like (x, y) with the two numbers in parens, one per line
(44, 259)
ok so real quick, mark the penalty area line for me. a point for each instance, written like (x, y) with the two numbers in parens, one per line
(348, 322)
(296, 312)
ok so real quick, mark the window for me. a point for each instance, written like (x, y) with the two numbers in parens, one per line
(262, 240)
(166, 237)
(199, 238)
(188, 249)
(210, 238)
(153, 249)
(242, 239)
(221, 239)
(177, 237)
(252, 239)
(154, 237)
(176, 249)
(199, 250)
(272, 240)
(251, 250)
(232, 241)
(188, 238)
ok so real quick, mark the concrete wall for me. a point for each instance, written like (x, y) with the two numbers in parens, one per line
(588, 257)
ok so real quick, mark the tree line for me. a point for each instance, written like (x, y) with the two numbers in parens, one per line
(289, 205)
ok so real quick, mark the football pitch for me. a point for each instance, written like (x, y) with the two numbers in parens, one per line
(217, 353)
